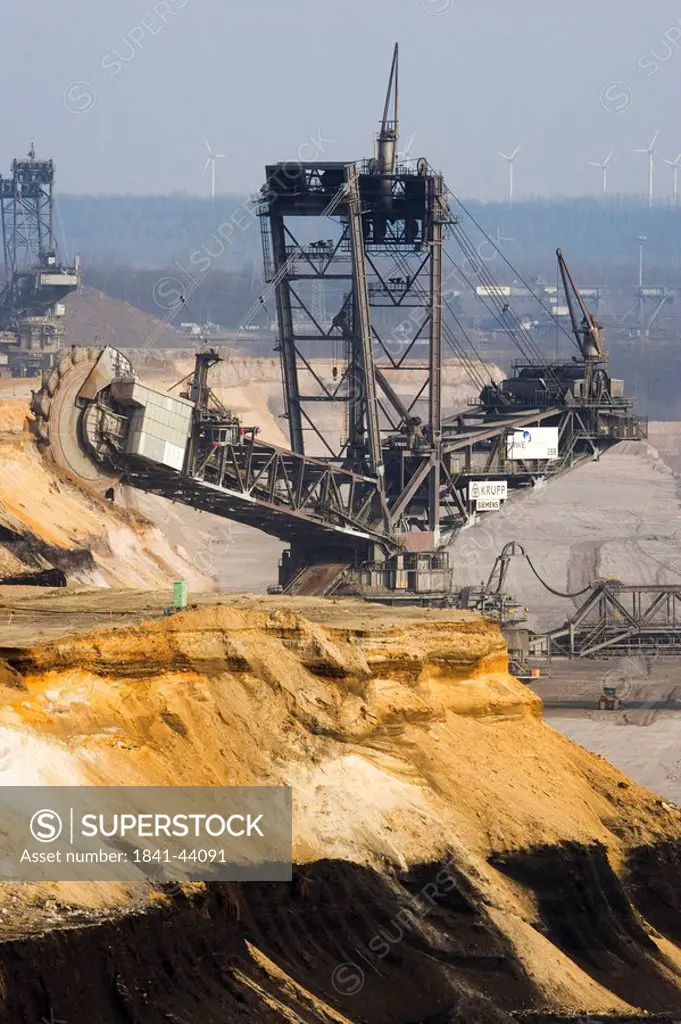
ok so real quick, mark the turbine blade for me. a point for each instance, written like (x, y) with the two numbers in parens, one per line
(651, 147)
(609, 158)
(207, 164)
(208, 146)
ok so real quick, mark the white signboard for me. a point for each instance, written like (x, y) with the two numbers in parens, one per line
(533, 443)
(487, 504)
(495, 291)
(487, 490)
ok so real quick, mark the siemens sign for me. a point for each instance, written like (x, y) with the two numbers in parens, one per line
(487, 495)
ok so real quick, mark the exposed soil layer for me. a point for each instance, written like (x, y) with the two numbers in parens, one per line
(455, 858)
(654, 881)
(49, 522)
(227, 950)
(589, 1018)
(584, 909)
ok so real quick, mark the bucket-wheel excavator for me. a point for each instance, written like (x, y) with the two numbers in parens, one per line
(377, 477)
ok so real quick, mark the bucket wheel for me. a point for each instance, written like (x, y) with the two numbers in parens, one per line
(59, 409)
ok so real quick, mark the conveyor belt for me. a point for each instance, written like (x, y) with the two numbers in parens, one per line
(316, 580)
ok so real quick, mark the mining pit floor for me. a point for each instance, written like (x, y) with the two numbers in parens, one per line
(37, 615)
(34, 615)
(643, 738)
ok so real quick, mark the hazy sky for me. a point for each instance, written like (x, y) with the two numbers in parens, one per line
(122, 94)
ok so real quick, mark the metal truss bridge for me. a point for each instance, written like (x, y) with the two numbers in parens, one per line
(324, 506)
(619, 620)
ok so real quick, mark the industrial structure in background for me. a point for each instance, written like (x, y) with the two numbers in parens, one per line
(653, 308)
(613, 619)
(36, 283)
(616, 618)
(378, 476)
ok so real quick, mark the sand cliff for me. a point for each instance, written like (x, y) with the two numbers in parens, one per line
(447, 842)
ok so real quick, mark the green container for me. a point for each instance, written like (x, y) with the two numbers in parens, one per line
(179, 594)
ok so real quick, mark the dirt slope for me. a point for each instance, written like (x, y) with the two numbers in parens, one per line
(45, 520)
(93, 318)
(161, 540)
(448, 843)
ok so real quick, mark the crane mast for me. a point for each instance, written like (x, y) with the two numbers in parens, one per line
(587, 331)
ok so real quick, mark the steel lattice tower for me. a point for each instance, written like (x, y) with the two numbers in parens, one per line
(35, 281)
(381, 263)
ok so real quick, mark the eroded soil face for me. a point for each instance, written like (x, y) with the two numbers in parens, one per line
(455, 857)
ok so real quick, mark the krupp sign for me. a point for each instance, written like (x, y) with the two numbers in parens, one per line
(487, 490)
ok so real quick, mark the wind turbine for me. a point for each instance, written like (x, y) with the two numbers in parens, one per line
(511, 164)
(210, 162)
(651, 167)
(604, 171)
(676, 166)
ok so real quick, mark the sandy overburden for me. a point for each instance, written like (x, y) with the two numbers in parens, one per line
(411, 751)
